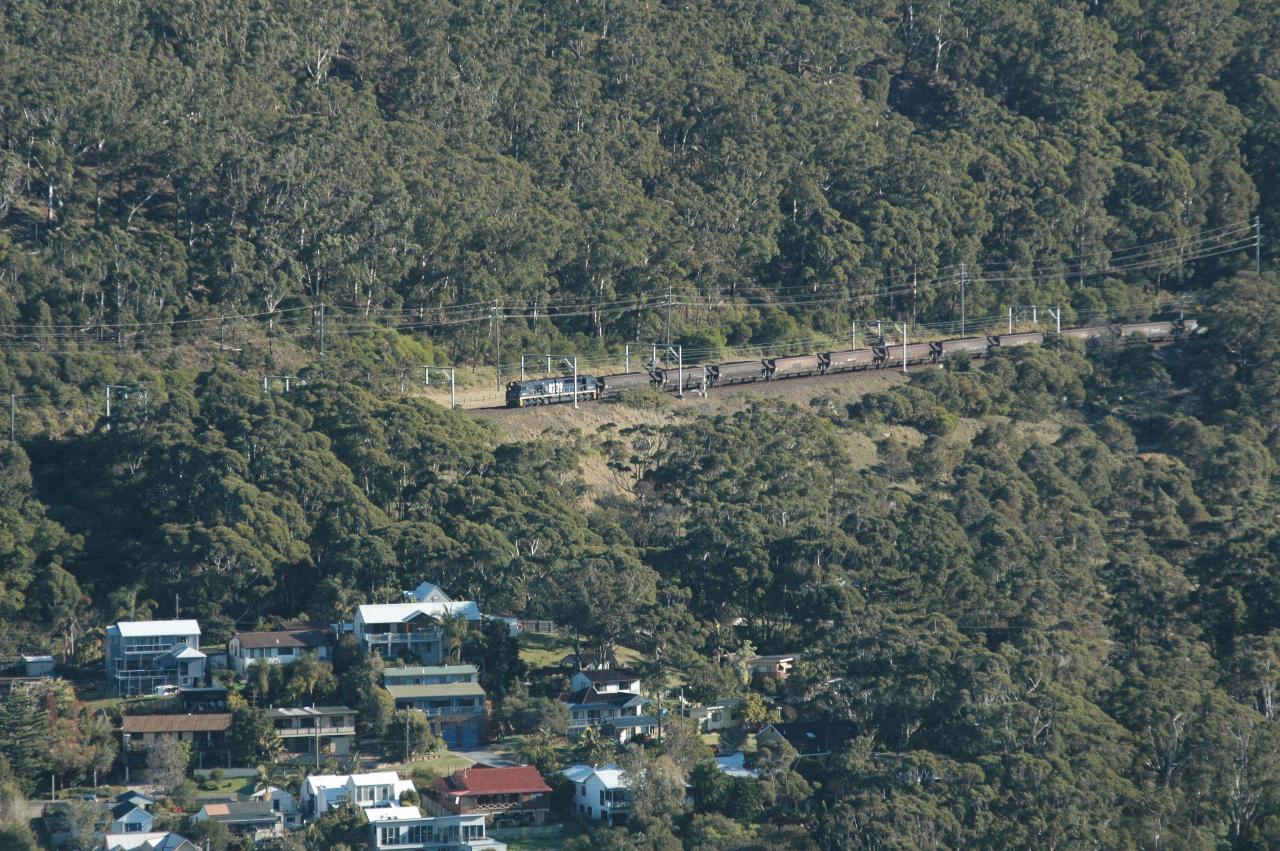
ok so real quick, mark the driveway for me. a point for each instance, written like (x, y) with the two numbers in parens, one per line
(487, 757)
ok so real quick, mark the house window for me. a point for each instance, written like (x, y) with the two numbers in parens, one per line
(132, 827)
(390, 836)
(602, 797)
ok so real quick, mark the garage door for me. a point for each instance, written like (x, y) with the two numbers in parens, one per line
(460, 737)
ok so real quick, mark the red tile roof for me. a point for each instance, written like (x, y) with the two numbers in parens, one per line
(213, 723)
(493, 781)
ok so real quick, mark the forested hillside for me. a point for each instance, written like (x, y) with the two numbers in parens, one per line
(176, 161)
(1045, 589)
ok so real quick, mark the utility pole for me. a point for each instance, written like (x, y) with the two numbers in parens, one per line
(1257, 244)
(670, 301)
(222, 334)
(407, 755)
(322, 338)
(1010, 319)
(497, 331)
(963, 277)
(903, 329)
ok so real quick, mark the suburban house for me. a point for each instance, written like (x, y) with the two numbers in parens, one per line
(282, 646)
(158, 841)
(606, 680)
(714, 716)
(410, 630)
(777, 667)
(328, 730)
(448, 694)
(609, 700)
(130, 816)
(255, 820)
(281, 802)
(599, 793)
(429, 833)
(510, 795)
(321, 792)
(142, 656)
(207, 735)
(809, 738)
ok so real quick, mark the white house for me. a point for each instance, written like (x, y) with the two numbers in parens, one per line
(406, 829)
(142, 655)
(321, 792)
(128, 817)
(410, 630)
(606, 681)
(282, 802)
(599, 793)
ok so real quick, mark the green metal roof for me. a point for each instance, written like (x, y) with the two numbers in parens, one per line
(429, 671)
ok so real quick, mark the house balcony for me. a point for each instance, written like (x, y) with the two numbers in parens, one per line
(445, 711)
(312, 732)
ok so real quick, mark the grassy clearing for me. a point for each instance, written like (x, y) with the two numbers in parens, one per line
(230, 787)
(438, 765)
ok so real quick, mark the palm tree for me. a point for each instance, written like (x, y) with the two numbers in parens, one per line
(455, 633)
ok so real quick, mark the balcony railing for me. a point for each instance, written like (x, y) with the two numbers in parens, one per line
(311, 732)
(437, 711)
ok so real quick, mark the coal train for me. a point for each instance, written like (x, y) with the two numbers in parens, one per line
(879, 355)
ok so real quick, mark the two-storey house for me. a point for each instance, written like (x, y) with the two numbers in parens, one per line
(206, 734)
(599, 793)
(321, 792)
(311, 730)
(449, 695)
(282, 646)
(509, 795)
(143, 656)
(610, 701)
(411, 631)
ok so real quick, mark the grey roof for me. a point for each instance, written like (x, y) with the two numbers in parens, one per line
(123, 809)
(440, 690)
(308, 711)
(814, 738)
(609, 675)
(591, 697)
(627, 722)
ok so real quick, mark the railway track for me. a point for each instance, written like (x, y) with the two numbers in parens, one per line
(820, 368)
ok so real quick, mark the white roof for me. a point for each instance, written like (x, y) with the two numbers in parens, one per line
(609, 775)
(127, 841)
(316, 784)
(45, 658)
(399, 612)
(425, 590)
(735, 765)
(138, 629)
(189, 653)
(385, 813)
(372, 778)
